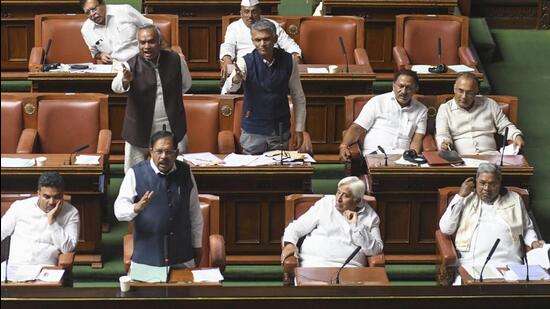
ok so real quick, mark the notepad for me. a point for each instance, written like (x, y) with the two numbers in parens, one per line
(207, 275)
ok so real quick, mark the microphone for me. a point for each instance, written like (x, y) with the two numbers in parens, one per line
(440, 67)
(488, 258)
(343, 48)
(76, 151)
(45, 66)
(350, 257)
(504, 141)
(281, 141)
(385, 155)
(524, 256)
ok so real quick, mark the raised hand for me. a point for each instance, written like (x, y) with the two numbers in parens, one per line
(143, 202)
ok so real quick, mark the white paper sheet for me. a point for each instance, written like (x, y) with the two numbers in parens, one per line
(421, 68)
(17, 162)
(201, 158)
(234, 159)
(535, 272)
(460, 68)
(87, 160)
(317, 70)
(490, 272)
(51, 275)
(539, 256)
(469, 162)
(511, 149)
(207, 275)
(19, 273)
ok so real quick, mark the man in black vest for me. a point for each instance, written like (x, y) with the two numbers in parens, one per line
(269, 75)
(155, 80)
(160, 196)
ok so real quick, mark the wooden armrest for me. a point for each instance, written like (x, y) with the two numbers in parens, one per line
(217, 251)
(445, 248)
(401, 57)
(428, 143)
(128, 250)
(226, 142)
(290, 264)
(66, 260)
(27, 141)
(361, 56)
(467, 57)
(35, 59)
(378, 260)
(104, 142)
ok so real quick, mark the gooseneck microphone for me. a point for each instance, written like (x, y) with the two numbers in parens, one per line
(488, 258)
(45, 66)
(77, 150)
(385, 155)
(524, 256)
(350, 257)
(504, 142)
(440, 67)
(343, 48)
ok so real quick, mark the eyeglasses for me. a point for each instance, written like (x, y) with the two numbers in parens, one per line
(165, 152)
(92, 10)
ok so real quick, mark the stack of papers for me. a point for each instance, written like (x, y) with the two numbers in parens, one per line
(490, 272)
(207, 275)
(87, 160)
(234, 159)
(536, 272)
(18, 162)
(21, 273)
(201, 158)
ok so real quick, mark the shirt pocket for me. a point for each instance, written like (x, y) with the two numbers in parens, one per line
(126, 32)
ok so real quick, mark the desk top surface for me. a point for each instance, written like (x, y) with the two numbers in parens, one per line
(56, 162)
(467, 279)
(349, 276)
(177, 278)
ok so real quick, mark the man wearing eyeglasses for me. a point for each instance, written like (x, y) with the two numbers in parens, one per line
(160, 196)
(469, 121)
(110, 30)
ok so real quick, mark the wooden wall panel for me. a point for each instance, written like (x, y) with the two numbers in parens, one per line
(17, 42)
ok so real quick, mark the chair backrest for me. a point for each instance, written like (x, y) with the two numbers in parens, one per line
(168, 25)
(66, 122)
(318, 37)
(418, 35)
(508, 104)
(12, 121)
(228, 19)
(203, 125)
(445, 195)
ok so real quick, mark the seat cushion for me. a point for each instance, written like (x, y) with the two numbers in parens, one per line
(12, 124)
(421, 36)
(202, 125)
(322, 35)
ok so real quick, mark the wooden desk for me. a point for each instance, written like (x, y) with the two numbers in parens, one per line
(86, 185)
(349, 276)
(252, 203)
(380, 22)
(36, 283)
(467, 279)
(178, 278)
(440, 83)
(406, 197)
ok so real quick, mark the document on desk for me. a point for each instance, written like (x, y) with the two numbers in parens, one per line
(234, 159)
(21, 273)
(87, 160)
(51, 275)
(317, 70)
(460, 68)
(510, 150)
(421, 68)
(536, 272)
(490, 272)
(540, 256)
(17, 162)
(207, 275)
(201, 158)
(469, 162)
(147, 273)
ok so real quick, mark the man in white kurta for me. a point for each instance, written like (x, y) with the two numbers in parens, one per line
(482, 212)
(42, 226)
(110, 30)
(333, 230)
(470, 121)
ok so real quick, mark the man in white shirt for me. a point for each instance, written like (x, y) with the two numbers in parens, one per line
(110, 30)
(268, 75)
(470, 121)
(160, 196)
(43, 226)
(155, 81)
(334, 227)
(483, 211)
(393, 120)
(238, 41)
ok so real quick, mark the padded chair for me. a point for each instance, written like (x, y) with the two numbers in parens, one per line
(445, 243)
(68, 46)
(229, 139)
(15, 137)
(66, 122)
(417, 37)
(298, 204)
(213, 244)
(64, 260)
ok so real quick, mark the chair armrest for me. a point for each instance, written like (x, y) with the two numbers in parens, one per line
(27, 141)
(428, 143)
(128, 250)
(66, 260)
(217, 251)
(467, 57)
(361, 56)
(226, 142)
(378, 260)
(104, 142)
(401, 57)
(290, 264)
(35, 59)
(446, 249)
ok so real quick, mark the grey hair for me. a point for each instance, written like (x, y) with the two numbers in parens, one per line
(356, 186)
(151, 26)
(263, 24)
(489, 168)
(468, 76)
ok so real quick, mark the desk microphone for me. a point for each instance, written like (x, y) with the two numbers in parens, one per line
(77, 150)
(350, 257)
(45, 66)
(524, 256)
(385, 155)
(504, 141)
(440, 68)
(488, 258)
(343, 48)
